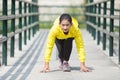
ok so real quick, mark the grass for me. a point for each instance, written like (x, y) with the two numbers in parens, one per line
(45, 25)
(116, 29)
(82, 25)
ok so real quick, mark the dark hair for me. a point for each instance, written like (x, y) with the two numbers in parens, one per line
(65, 16)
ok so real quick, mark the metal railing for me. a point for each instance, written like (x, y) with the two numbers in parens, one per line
(101, 19)
(27, 19)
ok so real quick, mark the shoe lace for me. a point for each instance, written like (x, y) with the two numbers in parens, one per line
(66, 64)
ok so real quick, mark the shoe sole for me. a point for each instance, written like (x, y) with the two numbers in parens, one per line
(66, 70)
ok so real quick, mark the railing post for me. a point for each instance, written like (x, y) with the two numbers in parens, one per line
(104, 25)
(25, 24)
(86, 10)
(91, 18)
(94, 21)
(36, 19)
(111, 28)
(119, 37)
(99, 23)
(4, 29)
(12, 29)
(29, 21)
(88, 18)
(37, 16)
(33, 19)
(20, 25)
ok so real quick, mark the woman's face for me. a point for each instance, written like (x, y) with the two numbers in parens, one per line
(65, 25)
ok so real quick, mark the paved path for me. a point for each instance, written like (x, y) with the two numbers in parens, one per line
(27, 64)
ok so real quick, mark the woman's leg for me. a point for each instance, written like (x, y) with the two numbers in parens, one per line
(59, 44)
(67, 48)
(64, 47)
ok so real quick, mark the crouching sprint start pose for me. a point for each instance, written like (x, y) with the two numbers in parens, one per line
(63, 32)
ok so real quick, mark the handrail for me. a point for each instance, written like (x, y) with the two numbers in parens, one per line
(102, 15)
(9, 17)
(94, 3)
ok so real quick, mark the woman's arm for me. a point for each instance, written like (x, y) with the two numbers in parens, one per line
(46, 68)
(83, 67)
(81, 51)
(48, 52)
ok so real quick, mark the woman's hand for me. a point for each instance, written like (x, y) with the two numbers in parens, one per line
(46, 68)
(83, 68)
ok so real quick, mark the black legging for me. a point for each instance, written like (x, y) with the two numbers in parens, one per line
(64, 47)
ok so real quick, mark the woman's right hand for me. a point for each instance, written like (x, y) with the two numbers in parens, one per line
(46, 68)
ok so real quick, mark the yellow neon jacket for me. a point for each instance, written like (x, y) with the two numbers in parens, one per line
(56, 32)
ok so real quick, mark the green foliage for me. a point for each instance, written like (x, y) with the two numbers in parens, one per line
(116, 29)
(45, 25)
(82, 25)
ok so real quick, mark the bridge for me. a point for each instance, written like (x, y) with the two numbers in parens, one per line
(24, 27)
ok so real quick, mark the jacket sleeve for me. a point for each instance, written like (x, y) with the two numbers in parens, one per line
(49, 45)
(51, 40)
(80, 46)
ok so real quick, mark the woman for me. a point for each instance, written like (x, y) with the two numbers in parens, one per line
(63, 32)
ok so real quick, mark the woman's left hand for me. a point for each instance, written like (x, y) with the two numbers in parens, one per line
(83, 68)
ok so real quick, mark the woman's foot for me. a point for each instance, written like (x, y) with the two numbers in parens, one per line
(66, 67)
(61, 66)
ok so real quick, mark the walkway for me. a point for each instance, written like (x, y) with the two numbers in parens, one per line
(26, 65)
